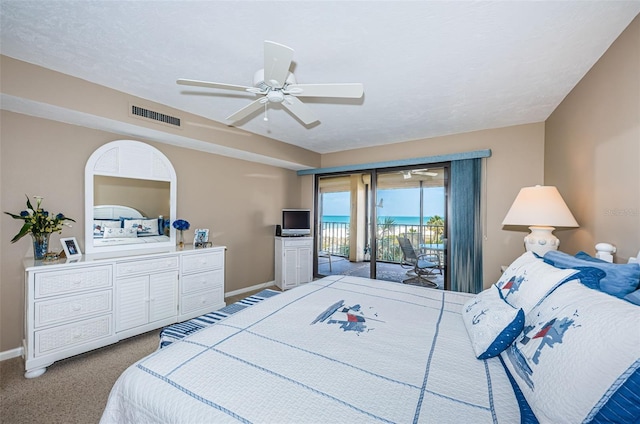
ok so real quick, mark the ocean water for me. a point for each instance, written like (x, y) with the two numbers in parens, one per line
(398, 220)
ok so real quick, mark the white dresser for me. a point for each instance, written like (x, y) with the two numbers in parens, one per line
(294, 261)
(74, 307)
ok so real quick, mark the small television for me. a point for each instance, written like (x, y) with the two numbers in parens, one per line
(296, 222)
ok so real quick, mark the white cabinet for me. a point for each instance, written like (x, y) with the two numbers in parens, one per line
(294, 256)
(75, 307)
(201, 282)
(146, 293)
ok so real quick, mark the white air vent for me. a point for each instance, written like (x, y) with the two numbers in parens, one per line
(142, 112)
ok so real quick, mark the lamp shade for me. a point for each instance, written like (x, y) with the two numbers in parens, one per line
(540, 206)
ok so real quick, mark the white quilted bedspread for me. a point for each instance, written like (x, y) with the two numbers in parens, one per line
(340, 349)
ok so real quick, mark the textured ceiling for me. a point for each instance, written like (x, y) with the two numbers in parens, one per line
(429, 68)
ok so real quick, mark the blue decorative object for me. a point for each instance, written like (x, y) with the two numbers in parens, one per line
(181, 225)
(40, 245)
(619, 279)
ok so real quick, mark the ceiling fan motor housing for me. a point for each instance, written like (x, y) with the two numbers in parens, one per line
(259, 82)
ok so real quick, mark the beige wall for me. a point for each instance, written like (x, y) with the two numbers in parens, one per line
(239, 201)
(516, 161)
(589, 148)
(592, 151)
(47, 92)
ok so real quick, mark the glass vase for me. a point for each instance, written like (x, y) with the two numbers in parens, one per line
(180, 239)
(40, 245)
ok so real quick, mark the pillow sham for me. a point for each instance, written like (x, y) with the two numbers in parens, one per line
(529, 279)
(120, 233)
(633, 297)
(619, 279)
(144, 227)
(100, 224)
(587, 257)
(492, 324)
(578, 358)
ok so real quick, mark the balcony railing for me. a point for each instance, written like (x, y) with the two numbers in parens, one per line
(334, 239)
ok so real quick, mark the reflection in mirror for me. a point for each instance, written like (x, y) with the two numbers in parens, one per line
(150, 198)
(130, 197)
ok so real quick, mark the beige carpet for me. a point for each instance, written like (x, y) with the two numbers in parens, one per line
(74, 390)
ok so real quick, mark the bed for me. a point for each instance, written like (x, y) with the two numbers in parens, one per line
(122, 225)
(534, 347)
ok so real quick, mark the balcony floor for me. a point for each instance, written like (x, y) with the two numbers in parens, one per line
(385, 271)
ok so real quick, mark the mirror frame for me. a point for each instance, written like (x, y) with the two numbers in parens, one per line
(128, 159)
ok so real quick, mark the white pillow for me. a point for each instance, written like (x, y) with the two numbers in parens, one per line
(144, 227)
(527, 281)
(492, 323)
(99, 226)
(578, 358)
(120, 233)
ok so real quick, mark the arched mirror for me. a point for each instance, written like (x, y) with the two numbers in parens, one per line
(130, 198)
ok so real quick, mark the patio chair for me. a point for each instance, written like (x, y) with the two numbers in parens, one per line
(325, 254)
(423, 265)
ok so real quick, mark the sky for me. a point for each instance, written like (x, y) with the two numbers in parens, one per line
(396, 202)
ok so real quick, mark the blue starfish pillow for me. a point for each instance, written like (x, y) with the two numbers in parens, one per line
(492, 323)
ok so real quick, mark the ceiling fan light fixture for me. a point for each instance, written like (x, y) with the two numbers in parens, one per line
(275, 96)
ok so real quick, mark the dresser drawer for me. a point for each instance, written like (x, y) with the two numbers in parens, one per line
(69, 281)
(203, 300)
(202, 261)
(202, 281)
(74, 307)
(77, 333)
(297, 243)
(146, 266)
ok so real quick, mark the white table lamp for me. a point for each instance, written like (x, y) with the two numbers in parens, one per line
(541, 208)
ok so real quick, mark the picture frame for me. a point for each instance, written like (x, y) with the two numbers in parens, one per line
(201, 237)
(71, 247)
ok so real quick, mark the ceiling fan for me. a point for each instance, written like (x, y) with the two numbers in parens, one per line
(275, 84)
(407, 174)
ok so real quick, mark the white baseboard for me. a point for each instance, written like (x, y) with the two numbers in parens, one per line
(8, 354)
(250, 289)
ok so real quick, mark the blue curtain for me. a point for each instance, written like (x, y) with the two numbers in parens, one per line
(465, 232)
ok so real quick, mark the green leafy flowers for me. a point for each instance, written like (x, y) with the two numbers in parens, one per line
(38, 221)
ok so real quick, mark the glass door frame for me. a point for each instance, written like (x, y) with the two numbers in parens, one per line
(446, 167)
(371, 201)
(318, 211)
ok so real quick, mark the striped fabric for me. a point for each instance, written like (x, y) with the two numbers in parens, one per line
(181, 330)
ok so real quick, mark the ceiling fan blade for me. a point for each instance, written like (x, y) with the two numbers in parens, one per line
(347, 90)
(277, 60)
(208, 84)
(300, 110)
(247, 110)
(424, 171)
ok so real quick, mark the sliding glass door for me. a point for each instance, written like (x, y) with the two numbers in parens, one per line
(360, 217)
(410, 230)
(343, 214)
